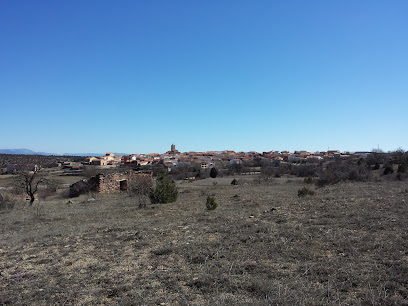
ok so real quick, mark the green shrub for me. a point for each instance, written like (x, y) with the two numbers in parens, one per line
(362, 162)
(213, 172)
(388, 170)
(376, 166)
(165, 191)
(234, 182)
(211, 204)
(305, 192)
(309, 180)
(402, 168)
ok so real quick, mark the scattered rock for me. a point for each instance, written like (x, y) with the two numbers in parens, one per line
(235, 197)
(91, 200)
(270, 210)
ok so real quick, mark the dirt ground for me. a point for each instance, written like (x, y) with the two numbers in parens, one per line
(263, 245)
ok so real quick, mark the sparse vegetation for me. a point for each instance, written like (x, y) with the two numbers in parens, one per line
(44, 160)
(340, 171)
(260, 245)
(289, 251)
(305, 170)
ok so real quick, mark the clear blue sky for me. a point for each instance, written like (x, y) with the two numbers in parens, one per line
(136, 76)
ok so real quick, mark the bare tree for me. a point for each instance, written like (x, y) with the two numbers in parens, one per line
(140, 187)
(28, 179)
(398, 156)
(377, 157)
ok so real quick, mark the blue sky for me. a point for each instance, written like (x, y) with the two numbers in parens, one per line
(137, 76)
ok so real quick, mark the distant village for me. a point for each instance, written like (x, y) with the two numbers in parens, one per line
(210, 159)
(205, 160)
(113, 172)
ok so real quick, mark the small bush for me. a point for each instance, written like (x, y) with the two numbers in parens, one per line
(376, 166)
(165, 191)
(309, 180)
(362, 162)
(213, 172)
(305, 192)
(211, 204)
(234, 182)
(402, 168)
(6, 203)
(388, 170)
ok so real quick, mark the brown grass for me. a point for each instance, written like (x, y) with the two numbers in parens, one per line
(348, 244)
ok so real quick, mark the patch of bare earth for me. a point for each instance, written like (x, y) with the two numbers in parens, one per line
(347, 244)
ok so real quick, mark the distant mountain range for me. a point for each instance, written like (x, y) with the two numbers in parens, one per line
(90, 154)
(31, 152)
(22, 151)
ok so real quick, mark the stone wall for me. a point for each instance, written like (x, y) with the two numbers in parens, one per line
(111, 183)
(84, 186)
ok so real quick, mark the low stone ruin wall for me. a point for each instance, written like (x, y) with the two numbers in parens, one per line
(112, 183)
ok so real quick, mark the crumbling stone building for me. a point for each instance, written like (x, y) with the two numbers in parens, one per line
(117, 182)
(113, 182)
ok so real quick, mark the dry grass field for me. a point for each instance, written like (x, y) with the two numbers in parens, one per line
(346, 245)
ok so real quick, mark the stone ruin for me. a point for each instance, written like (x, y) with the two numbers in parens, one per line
(112, 182)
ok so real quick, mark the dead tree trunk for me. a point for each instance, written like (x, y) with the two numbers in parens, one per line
(29, 181)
